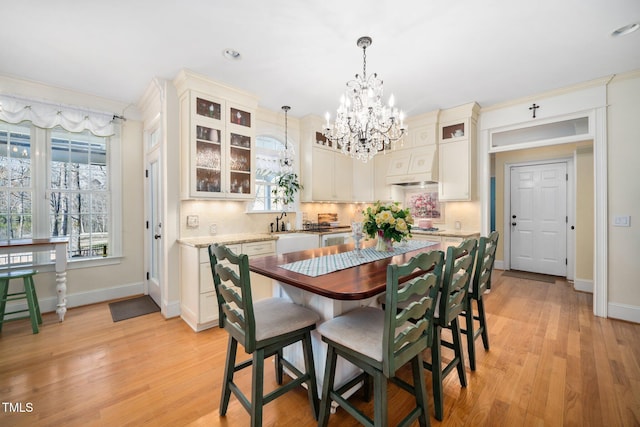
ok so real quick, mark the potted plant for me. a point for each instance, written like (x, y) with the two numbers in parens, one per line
(287, 185)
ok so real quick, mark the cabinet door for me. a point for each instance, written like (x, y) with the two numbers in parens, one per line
(219, 139)
(363, 181)
(206, 136)
(261, 286)
(381, 190)
(322, 175)
(241, 154)
(454, 174)
(342, 177)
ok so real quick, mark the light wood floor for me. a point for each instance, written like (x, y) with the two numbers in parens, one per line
(551, 363)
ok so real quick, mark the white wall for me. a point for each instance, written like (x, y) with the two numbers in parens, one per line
(623, 117)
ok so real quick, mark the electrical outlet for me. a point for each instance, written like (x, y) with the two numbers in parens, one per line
(213, 229)
(458, 225)
(193, 221)
(622, 221)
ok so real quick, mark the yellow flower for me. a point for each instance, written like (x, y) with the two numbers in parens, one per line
(409, 219)
(401, 225)
(384, 217)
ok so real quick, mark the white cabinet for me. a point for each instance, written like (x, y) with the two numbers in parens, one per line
(381, 190)
(198, 301)
(457, 153)
(216, 139)
(363, 181)
(455, 171)
(332, 176)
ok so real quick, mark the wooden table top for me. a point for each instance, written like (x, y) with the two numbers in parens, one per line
(15, 243)
(355, 283)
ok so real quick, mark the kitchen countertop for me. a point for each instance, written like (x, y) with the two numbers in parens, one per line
(231, 239)
(227, 239)
(445, 233)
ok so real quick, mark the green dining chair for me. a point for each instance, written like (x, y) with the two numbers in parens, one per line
(381, 341)
(263, 328)
(485, 257)
(452, 302)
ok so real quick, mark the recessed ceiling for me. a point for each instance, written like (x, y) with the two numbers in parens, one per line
(431, 55)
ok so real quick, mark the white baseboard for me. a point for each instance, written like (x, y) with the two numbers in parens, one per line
(50, 304)
(498, 264)
(630, 313)
(583, 285)
(171, 309)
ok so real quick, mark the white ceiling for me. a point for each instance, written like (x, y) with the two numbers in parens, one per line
(430, 53)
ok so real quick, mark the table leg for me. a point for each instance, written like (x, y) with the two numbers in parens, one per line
(61, 280)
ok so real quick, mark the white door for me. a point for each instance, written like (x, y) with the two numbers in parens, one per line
(154, 224)
(538, 219)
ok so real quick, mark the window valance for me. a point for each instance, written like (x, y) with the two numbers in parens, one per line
(45, 115)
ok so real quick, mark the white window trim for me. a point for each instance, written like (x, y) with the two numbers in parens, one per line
(41, 141)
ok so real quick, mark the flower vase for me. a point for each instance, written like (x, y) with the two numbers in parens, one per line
(384, 244)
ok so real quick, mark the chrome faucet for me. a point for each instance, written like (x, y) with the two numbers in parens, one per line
(278, 227)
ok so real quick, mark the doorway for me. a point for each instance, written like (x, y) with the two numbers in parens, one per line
(153, 226)
(538, 217)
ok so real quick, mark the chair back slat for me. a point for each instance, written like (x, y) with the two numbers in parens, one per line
(486, 256)
(457, 277)
(408, 328)
(233, 291)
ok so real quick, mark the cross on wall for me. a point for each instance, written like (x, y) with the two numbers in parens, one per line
(534, 107)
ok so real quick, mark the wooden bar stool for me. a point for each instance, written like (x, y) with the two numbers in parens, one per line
(29, 293)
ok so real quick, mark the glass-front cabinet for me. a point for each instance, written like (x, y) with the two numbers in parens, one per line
(217, 140)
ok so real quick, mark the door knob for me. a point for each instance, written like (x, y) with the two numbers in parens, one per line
(514, 224)
(513, 216)
(157, 236)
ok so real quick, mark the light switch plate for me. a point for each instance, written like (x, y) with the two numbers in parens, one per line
(193, 221)
(622, 221)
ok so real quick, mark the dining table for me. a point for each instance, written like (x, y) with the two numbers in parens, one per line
(333, 280)
(57, 244)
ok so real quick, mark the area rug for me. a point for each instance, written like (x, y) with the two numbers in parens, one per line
(530, 276)
(134, 307)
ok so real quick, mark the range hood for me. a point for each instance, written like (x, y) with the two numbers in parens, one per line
(414, 166)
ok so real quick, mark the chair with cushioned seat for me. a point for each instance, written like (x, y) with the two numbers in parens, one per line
(382, 341)
(28, 294)
(263, 328)
(452, 301)
(485, 257)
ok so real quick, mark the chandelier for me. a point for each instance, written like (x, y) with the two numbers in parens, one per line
(286, 155)
(364, 126)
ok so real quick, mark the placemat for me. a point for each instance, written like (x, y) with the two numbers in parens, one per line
(329, 263)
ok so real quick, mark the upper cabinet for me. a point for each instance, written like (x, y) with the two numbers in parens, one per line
(457, 153)
(217, 139)
(327, 174)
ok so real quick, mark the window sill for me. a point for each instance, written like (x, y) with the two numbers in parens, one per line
(76, 264)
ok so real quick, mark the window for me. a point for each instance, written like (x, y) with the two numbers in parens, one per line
(78, 195)
(55, 183)
(268, 151)
(16, 191)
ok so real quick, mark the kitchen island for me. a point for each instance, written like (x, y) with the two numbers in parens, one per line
(330, 294)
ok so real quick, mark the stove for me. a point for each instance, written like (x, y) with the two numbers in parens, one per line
(323, 227)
